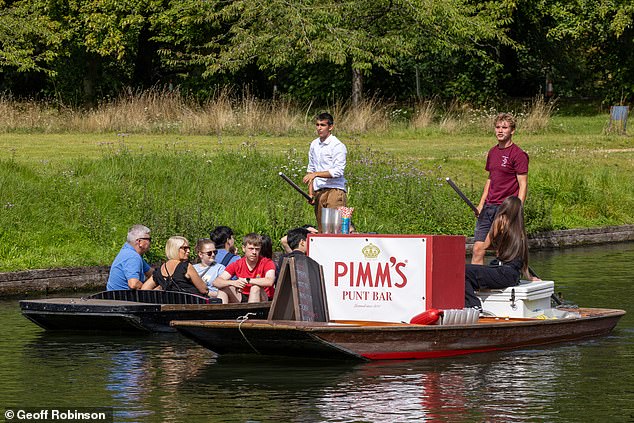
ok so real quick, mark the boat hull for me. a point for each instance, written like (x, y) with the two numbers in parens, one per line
(366, 341)
(101, 312)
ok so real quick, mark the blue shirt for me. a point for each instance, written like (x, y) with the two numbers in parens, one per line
(127, 265)
(220, 255)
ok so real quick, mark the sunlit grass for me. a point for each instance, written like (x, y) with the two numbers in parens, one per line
(68, 196)
(76, 211)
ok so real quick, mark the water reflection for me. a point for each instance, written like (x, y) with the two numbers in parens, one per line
(590, 275)
(122, 371)
(466, 389)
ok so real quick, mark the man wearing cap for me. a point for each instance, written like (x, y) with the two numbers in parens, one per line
(129, 270)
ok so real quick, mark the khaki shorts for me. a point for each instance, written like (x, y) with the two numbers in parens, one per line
(330, 198)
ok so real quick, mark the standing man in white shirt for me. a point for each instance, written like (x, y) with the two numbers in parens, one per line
(326, 167)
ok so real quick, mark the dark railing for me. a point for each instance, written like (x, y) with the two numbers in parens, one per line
(155, 297)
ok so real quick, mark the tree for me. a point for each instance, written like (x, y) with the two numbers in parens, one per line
(82, 44)
(586, 46)
(274, 34)
(28, 40)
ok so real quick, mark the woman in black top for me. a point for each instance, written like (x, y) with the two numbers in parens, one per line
(508, 237)
(177, 273)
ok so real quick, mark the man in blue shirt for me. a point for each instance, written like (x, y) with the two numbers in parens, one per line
(223, 237)
(129, 270)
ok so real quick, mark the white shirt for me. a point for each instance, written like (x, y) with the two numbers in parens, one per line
(329, 155)
(209, 275)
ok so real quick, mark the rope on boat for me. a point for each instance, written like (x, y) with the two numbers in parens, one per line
(241, 320)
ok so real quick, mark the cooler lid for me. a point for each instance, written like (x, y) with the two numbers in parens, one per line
(524, 290)
(528, 286)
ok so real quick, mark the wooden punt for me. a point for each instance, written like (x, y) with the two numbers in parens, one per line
(389, 341)
(132, 310)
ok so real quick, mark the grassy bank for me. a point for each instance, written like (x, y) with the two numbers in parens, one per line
(68, 199)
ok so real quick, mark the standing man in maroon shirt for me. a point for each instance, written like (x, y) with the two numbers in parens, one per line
(507, 165)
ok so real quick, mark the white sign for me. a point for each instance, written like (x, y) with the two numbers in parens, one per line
(378, 278)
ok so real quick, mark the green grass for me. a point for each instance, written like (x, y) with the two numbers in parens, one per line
(68, 199)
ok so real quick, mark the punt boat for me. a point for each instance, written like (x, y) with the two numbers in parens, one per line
(132, 310)
(364, 340)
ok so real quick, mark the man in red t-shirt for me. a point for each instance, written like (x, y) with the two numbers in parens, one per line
(256, 274)
(507, 165)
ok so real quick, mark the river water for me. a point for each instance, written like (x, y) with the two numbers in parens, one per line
(167, 378)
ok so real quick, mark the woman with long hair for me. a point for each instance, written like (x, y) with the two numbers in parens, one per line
(177, 273)
(208, 269)
(508, 237)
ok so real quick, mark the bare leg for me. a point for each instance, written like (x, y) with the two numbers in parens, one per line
(233, 296)
(223, 296)
(255, 295)
(479, 251)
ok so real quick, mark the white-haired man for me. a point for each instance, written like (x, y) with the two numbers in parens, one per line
(129, 270)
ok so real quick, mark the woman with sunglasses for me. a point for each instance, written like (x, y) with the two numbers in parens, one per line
(177, 273)
(208, 269)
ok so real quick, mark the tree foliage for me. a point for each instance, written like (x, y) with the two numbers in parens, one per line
(28, 39)
(465, 49)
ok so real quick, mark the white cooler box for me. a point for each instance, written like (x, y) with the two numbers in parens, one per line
(528, 299)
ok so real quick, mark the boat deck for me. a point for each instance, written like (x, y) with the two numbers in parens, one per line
(334, 325)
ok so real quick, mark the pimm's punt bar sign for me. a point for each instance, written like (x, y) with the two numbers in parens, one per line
(389, 278)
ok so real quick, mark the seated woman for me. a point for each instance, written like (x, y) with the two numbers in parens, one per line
(267, 246)
(508, 237)
(208, 269)
(177, 274)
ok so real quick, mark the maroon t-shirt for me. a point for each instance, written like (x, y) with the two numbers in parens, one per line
(503, 165)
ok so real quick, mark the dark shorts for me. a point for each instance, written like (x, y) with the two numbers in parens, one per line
(485, 220)
(245, 298)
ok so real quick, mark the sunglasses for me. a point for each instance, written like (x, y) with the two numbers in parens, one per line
(209, 253)
(185, 248)
(147, 239)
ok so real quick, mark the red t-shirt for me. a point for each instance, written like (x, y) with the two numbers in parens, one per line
(240, 269)
(503, 165)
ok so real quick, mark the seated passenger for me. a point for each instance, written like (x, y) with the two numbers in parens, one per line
(129, 270)
(222, 236)
(177, 273)
(267, 246)
(255, 274)
(508, 237)
(208, 269)
(297, 242)
(284, 241)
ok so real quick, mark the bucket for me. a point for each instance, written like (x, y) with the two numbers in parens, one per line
(330, 221)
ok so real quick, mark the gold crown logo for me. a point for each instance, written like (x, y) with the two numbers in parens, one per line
(370, 251)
